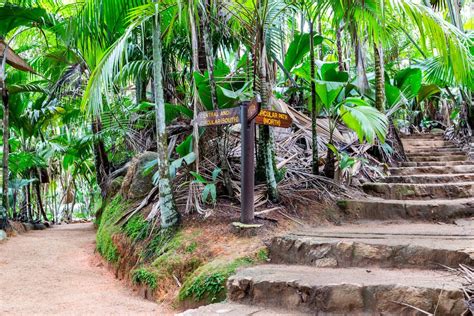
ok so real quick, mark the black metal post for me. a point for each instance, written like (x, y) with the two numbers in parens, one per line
(247, 165)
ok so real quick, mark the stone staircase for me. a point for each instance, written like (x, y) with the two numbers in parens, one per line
(385, 264)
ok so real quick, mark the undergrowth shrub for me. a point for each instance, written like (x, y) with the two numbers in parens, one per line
(143, 276)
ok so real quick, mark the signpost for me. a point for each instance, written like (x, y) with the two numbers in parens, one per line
(248, 114)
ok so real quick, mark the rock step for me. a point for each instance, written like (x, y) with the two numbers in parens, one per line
(434, 150)
(429, 178)
(423, 135)
(433, 170)
(437, 154)
(420, 191)
(424, 158)
(349, 290)
(441, 210)
(409, 144)
(435, 163)
(234, 309)
(385, 245)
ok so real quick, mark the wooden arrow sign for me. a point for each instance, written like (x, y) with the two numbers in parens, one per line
(219, 117)
(273, 118)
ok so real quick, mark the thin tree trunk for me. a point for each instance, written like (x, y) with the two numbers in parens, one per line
(169, 215)
(340, 53)
(320, 32)
(195, 66)
(207, 37)
(379, 78)
(265, 154)
(28, 203)
(40, 201)
(314, 114)
(6, 135)
(101, 160)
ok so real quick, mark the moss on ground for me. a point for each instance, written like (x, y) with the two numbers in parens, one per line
(137, 228)
(107, 228)
(208, 283)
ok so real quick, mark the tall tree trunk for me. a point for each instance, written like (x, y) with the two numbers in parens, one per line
(102, 165)
(266, 165)
(320, 32)
(169, 214)
(379, 78)
(362, 80)
(340, 53)
(195, 67)
(314, 113)
(6, 136)
(207, 36)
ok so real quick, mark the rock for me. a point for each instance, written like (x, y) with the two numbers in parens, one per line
(135, 184)
(3, 235)
(28, 226)
(39, 226)
(114, 186)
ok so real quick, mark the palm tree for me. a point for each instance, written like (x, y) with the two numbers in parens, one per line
(169, 215)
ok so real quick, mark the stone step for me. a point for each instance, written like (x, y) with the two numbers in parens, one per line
(422, 135)
(424, 158)
(440, 210)
(347, 291)
(429, 178)
(433, 169)
(420, 191)
(408, 144)
(381, 244)
(435, 163)
(234, 309)
(435, 151)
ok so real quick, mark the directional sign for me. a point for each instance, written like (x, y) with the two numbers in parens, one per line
(219, 117)
(273, 118)
(253, 110)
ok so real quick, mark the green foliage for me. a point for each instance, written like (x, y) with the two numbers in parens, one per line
(143, 276)
(210, 186)
(136, 228)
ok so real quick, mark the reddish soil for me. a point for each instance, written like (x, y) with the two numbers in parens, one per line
(57, 272)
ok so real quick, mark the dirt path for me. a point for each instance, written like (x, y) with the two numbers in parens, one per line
(56, 272)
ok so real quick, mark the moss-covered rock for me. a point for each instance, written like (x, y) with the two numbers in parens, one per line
(137, 183)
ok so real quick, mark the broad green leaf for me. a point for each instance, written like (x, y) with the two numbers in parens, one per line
(335, 76)
(185, 147)
(298, 49)
(427, 91)
(366, 121)
(328, 92)
(393, 94)
(408, 81)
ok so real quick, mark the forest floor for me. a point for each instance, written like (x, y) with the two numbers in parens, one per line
(56, 271)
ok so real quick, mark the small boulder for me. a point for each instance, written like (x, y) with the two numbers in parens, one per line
(136, 184)
(3, 235)
(28, 226)
(114, 186)
(39, 226)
